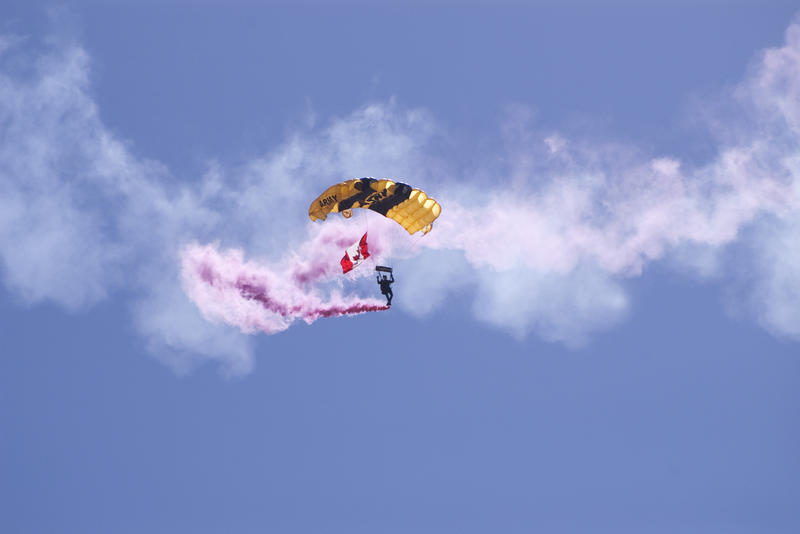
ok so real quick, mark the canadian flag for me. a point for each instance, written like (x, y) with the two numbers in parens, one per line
(355, 254)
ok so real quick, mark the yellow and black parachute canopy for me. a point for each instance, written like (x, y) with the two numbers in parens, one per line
(410, 207)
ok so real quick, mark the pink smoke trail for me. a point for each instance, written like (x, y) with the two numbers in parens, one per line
(259, 297)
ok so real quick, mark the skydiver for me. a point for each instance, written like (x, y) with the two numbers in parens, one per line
(386, 287)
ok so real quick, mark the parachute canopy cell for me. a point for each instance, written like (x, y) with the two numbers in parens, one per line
(410, 207)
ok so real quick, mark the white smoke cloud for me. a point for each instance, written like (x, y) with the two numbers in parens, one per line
(81, 215)
(548, 253)
(181, 337)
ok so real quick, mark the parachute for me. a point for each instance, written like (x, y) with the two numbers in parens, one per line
(410, 208)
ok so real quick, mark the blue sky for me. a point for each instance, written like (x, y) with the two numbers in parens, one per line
(600, 334)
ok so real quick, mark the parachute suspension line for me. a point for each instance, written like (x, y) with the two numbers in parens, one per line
(363, 219)
(390, 247)
(366, 222)
(363, 223)
(369, 222)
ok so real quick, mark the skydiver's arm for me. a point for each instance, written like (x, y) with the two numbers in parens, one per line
(392, 275)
